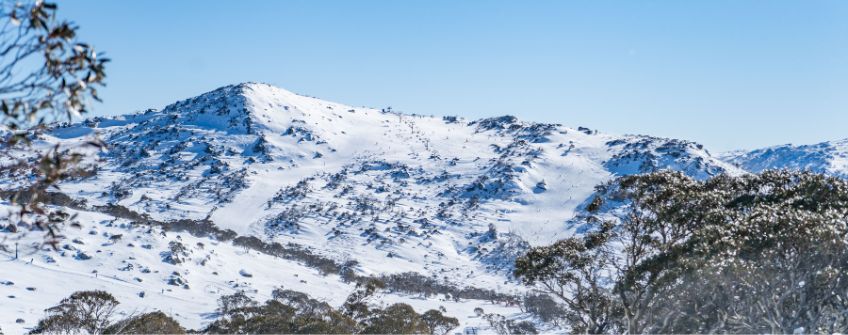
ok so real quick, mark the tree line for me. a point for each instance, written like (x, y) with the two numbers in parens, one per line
(287, 312)
(759, 253)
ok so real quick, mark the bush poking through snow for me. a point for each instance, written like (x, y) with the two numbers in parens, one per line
(438, 323)
(82, 312)
(147, 323)
(396, 319)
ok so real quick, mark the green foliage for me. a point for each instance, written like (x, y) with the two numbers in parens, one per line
(395, 319)
(438, 323)
(572, 269)
(287, 312)
(503, 326)
(750, 254)
(416, 283)
(356, 304)
(82, 312)
(237, 301)
(292, 312)
(90, 312)
(147, 323)
(543, 306)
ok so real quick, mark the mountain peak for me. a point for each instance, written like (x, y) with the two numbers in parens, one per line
(387, 191)
(240, 108)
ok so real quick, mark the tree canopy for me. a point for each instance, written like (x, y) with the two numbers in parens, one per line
(750, 254)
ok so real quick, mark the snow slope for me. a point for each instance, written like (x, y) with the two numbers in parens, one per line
(825, 157)
(449, 198)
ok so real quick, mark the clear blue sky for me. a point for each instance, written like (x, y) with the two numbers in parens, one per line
(729, 74)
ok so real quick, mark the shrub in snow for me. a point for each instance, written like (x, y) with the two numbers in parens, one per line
(176, 250)
(177, 280)
(82, 312)
(505, 326)
(396, 319)
(147, 323)
(438, 323)
(288, 312)
(233, 302)
(82, 256)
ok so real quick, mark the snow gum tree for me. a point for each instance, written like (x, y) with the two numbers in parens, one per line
(750, 254)
(83, 312)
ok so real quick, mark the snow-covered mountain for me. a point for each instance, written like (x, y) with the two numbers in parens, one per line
(250, 187)
(825, 157)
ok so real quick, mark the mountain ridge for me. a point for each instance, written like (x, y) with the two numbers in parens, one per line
(443, 197)
(830, 157)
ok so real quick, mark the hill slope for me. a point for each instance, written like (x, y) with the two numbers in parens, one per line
(825, 157)
(388, 193)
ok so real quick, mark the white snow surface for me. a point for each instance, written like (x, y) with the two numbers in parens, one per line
(826, 157)
(394, 192)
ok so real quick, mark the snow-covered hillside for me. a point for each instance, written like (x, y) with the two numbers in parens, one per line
(825, 157)
(384, 192)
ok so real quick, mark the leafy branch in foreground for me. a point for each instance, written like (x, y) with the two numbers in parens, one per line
(46, 75)
(43, 68)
